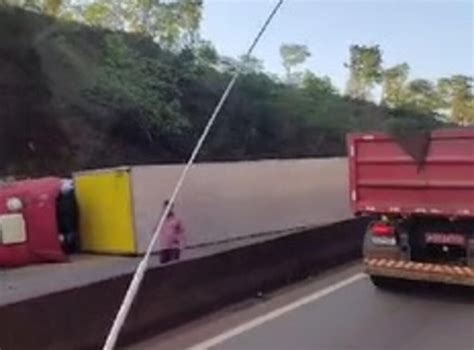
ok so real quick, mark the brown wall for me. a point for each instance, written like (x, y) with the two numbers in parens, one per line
(224, 200)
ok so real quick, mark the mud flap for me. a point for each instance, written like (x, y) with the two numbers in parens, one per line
(450, 274)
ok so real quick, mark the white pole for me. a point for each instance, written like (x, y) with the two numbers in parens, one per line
(142, 266)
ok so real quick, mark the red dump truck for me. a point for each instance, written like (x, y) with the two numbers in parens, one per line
(422, 207)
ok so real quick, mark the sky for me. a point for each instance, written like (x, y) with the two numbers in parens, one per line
(436, 38)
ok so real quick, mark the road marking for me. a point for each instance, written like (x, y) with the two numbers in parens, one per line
(276, 313)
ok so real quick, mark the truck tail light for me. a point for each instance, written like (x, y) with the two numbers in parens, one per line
(381, 229)
(383, 234)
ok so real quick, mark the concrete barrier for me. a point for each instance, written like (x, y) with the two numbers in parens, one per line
(173, 294)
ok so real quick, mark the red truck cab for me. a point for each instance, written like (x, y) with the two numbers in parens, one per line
(422, 209)
(29, 222)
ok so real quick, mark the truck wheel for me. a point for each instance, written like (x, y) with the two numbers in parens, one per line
(383, 282)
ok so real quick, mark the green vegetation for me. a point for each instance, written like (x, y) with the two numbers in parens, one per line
(454, 96)
(101, 83)
(365, 69)
(293, 55)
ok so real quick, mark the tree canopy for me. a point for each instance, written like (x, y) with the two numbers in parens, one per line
(292, 56)
(456, 93)
(365, 69)
(394, 85)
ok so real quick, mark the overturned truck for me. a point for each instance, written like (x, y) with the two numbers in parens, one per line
(419, 190)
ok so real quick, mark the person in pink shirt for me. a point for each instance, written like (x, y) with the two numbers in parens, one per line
(172, 237)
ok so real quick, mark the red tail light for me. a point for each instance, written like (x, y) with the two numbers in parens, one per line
(381, 229)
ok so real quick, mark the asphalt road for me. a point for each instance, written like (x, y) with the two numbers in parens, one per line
(338, 311)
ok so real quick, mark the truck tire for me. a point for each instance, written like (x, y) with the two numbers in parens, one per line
(383, 282)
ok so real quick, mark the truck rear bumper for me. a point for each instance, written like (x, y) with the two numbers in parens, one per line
(411, 270)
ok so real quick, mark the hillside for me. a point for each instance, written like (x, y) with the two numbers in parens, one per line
(76, 97)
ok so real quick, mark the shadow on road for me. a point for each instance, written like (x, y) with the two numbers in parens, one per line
(433, 291)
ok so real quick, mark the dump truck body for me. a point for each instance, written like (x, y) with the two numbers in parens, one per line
(423, 211)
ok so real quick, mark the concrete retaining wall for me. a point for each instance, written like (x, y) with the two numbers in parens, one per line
(173, 294)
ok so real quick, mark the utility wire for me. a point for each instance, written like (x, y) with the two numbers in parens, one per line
(142, 266)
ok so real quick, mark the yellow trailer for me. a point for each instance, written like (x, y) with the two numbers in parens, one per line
(105, 207)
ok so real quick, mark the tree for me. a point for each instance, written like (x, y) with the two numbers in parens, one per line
(394, 85)
(175, 21)
(190, 15)
(206, 53)
(422, 97)
(99, 13)
(365, 67)
(323, 101)
(171, 23)
(317, 87)
(228, 64)
(54, 8)
(456, 94)
(141, 90)
(293, 55)
(250, 64)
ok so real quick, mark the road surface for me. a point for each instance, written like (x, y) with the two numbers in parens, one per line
(338, 311)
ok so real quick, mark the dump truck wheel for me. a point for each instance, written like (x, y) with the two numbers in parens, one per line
(383, 282)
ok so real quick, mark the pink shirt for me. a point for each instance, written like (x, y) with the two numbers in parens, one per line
(172, 234)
